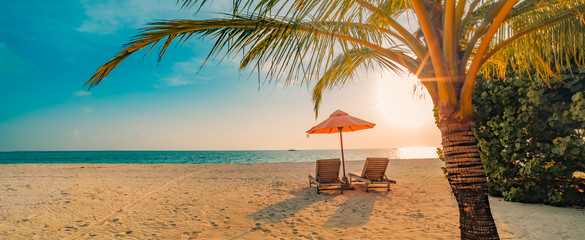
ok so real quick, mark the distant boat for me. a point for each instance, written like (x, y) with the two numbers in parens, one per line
(292, 150)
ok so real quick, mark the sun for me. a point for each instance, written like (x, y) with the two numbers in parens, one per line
(400, 105)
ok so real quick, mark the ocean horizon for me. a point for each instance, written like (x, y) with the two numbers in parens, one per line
(207, 156)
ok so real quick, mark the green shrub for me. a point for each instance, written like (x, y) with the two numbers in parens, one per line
(530, 135)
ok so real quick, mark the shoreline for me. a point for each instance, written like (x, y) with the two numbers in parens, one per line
(211, 163)
(247, 201)
(199, 157)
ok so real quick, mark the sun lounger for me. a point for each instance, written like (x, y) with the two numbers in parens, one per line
(374, 174)
(326, 174)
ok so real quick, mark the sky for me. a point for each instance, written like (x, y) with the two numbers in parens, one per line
(48, 49)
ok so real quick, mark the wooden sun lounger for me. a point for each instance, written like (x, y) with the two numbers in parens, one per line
(373, 174)
(326, 174)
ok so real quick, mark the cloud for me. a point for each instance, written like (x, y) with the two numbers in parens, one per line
(10, 62)
(190, 66)
(81, 93)
(183, 73)
(173, 81)
(108, 16)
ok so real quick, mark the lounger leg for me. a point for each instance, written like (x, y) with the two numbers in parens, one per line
(318, 190)
(367, 188)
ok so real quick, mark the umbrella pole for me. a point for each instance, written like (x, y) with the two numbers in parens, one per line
(342, 157)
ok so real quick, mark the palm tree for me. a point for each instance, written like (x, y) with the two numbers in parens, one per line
(299, 41)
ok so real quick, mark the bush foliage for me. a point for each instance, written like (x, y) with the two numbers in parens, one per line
(530, 135)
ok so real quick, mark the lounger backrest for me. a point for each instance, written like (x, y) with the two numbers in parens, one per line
(375, 168)
(327, 170)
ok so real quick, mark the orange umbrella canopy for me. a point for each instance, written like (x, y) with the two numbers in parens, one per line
(340, 119)
(339, 122)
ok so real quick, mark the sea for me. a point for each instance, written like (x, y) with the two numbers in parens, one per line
(199, 157)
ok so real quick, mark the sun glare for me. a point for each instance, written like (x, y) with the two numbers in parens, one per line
(398, 103)
(417, 152)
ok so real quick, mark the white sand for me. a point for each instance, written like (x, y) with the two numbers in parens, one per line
(247, 201)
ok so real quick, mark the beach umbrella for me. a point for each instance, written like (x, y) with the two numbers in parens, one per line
(339, 122)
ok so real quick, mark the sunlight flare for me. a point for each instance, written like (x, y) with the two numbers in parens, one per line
(417, 152)
(401, 105)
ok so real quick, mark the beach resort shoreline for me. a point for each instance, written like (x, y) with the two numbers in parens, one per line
(247, 201)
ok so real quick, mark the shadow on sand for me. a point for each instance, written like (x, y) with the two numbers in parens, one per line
(355, 211)
(289, 207)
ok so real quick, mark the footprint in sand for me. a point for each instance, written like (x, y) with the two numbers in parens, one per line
(259, 227)
(81, 223)
(190, 235)
(69, 228)
(416, 214)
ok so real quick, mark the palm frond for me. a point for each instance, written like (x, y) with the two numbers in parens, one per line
(380, 13)
(343, 69)
(464, 102)
(541, 38)
(387, 16)
(489, 11)
(298, 40)
(264, 41)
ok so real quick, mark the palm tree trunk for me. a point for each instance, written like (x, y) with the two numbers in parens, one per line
(467, 179)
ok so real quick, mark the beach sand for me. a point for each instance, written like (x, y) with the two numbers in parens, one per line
(247, 201)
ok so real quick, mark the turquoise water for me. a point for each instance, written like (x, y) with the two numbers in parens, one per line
(195, 157)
